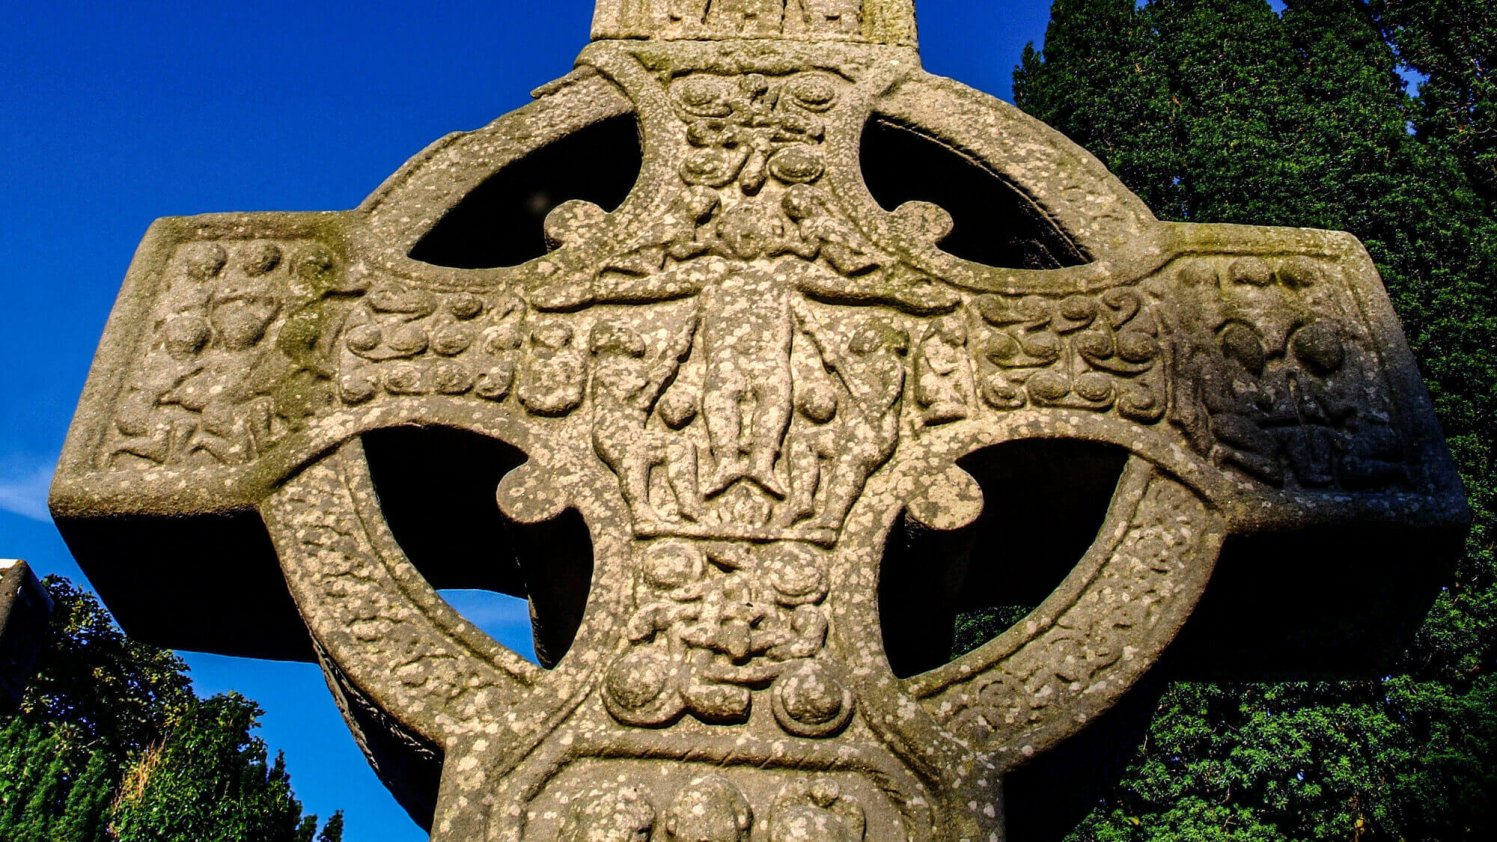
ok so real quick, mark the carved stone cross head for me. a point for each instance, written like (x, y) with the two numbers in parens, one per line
(747, 406)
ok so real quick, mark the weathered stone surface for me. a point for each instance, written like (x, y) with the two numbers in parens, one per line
(24, 607)
(760, 390)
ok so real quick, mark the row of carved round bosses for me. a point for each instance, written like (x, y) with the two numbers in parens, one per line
(233, 299)
(445, 338)
(711, 808)
(445, 377)
(310, 262)
(1049, 387)
(1292, 272)
(792, 570)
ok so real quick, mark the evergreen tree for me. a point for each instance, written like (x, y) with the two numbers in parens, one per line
(117, 691)
(1302, 120)
(1101, 80)
(210, 782)
(1453, 43)
(333, 830)
(112, 744)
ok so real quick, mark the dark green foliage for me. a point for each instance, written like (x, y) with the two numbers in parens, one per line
(117, 692)
(1105, 90)
(333, 830)
(1301, 119)
(210, 782)
(1454, 44)
(112, 744)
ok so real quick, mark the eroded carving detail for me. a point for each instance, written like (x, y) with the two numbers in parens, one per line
(715, 623)
(610, 814)
(687, 19)
(1271, 376)
(709, 809)
(1089, 640)
(240, 353)
(816, 811)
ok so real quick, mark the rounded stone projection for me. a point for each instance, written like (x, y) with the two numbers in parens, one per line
(803, 354)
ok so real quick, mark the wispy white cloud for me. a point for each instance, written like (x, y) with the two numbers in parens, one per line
(24, 481)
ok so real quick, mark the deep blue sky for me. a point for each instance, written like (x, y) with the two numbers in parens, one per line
(112, 115)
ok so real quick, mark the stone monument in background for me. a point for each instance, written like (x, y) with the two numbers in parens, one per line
(780, 354)
(24, 608)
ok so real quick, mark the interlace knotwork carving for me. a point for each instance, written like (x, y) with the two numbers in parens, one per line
(713, 623)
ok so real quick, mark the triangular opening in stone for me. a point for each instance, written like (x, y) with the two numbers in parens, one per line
(943, 594)
(996, 224)
(525, 586)
(500, 223)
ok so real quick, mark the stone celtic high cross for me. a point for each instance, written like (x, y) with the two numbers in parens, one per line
(771, 404)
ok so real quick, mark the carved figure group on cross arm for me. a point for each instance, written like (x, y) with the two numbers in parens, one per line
(243, 352)
(1272, 390)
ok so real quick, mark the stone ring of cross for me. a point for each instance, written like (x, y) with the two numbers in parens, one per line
(752, 356)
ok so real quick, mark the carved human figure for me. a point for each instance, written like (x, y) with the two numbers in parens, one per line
(942, 376)
(626, 387)
(1227, 394)
(1238, 399)
(195, 269)
(307, 339)
(747, 399)
(872, 370)
(814, 447)
(233, 402)
(146, 434)
(183, 335)
(1315, 410)
(822, 234)
(554, 375)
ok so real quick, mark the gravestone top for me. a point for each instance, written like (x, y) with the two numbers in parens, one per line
(776, 354)
(24, 607)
